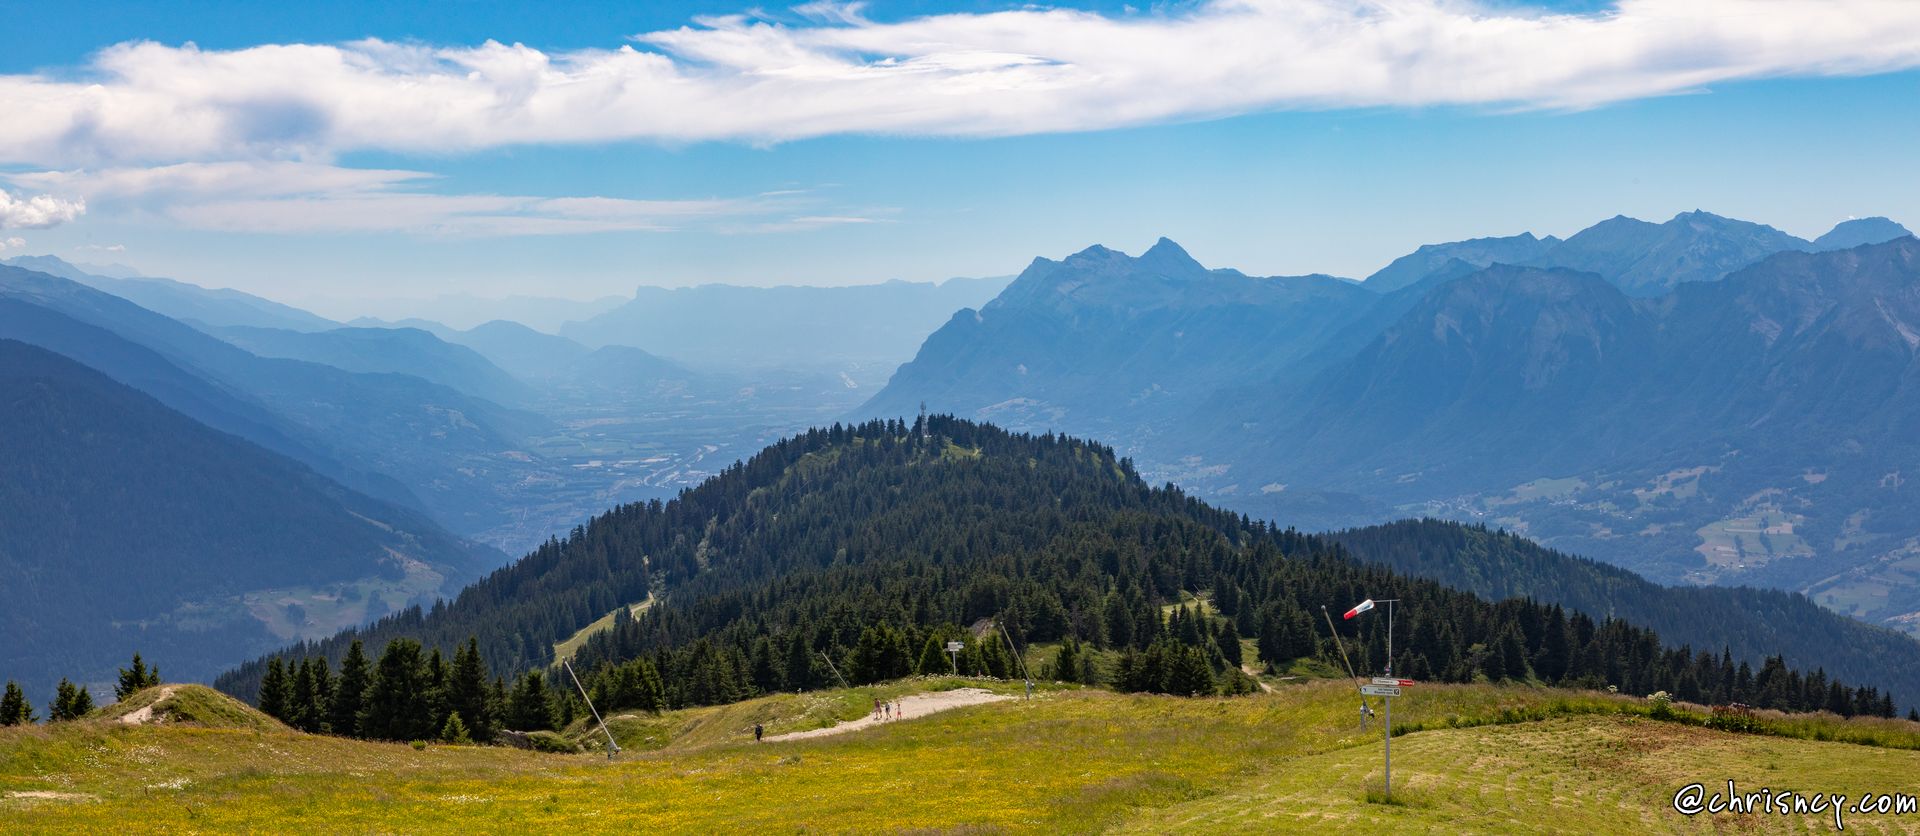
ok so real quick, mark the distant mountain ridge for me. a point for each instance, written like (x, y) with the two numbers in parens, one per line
(1084, 343)
(1430, 259)
(127, 526)
(180, 300)
(408, 351)
(457, 455)
(1747, 425)
(734, 326)
(1858, 232)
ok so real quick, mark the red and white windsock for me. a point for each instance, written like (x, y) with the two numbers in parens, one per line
(1359, 608)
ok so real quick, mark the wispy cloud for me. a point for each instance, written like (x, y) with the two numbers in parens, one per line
(102, 248)
(12, 243)
(37, 212)
(830, 70)
(302, 197)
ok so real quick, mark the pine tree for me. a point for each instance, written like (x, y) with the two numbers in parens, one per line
(396, 701)
(436, 690)
(467, 691)
(933, 658)
(1229, 642)
(318, 709)
(1066, 666)
(300, 698)
(275, 690)
(349, 692)
(530, 706)
(135, 679)
(1187, 672)
(455, 731)
(14, 708)
(70, 702)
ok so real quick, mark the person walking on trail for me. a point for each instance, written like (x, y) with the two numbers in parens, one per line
(758, 732)
(876, 708)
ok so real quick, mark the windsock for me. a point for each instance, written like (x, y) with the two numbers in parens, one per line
(1359, 608)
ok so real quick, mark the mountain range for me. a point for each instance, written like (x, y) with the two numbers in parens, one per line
(859, 327)
(1702, 400)
(127, 526)
(869, 545)
(394, 436)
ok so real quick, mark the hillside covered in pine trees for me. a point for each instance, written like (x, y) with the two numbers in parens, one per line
(872, 545)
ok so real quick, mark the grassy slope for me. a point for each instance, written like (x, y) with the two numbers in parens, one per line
(1073, 760)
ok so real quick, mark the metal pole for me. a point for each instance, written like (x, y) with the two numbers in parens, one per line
(1016, 654)
(1390, 603)
(1343, 648)
(1389, 749)
(612, 747)
(836, 671)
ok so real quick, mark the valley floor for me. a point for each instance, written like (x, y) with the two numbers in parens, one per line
(1068, 761)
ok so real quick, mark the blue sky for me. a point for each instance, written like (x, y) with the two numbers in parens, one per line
(840, 167)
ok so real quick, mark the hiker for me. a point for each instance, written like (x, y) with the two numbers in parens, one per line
(876, 708)
(758, 730)
(889, 712)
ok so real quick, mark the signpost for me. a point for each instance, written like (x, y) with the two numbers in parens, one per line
(953, 649)
(1385, 687)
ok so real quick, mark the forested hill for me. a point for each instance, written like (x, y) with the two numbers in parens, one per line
(869, 544)
(1753, 623)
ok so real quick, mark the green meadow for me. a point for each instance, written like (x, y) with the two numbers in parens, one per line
(1471, 758)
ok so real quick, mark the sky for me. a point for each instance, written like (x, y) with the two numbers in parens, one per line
(336, 155)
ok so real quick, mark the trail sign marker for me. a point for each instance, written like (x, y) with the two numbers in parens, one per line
(1380, 690)
(1388, 680)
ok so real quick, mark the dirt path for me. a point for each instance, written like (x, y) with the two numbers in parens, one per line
(1248, 670)
(145, 713)
(910, 707)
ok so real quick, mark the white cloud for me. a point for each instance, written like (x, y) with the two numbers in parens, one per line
(102, 248)
(833, 71)
(12, 243)
(304, 197)
(38, 212)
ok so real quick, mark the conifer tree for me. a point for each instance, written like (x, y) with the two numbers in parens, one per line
(135, 679)
(530, 705)
(349, 692)
(70, 702)
(318, 709)
(1066, 666)
(397, 701)
(467, 691)
(933, 658)
(653, 692)
(436, 690)
(275, 690)
(14, 708)
(300, 698)
(455, 731)
(1229, 642)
